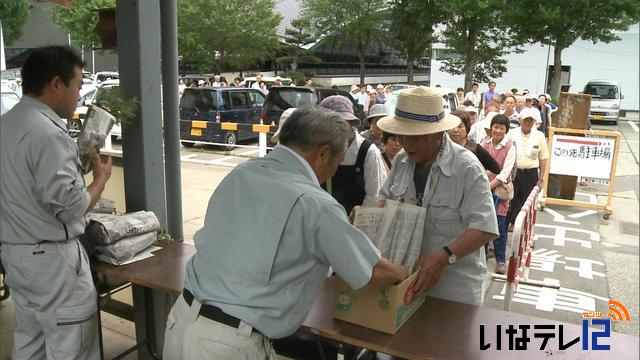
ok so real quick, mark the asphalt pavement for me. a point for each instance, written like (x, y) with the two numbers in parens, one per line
(590, 258)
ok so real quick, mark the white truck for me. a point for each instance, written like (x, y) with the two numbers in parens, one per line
(606, 96)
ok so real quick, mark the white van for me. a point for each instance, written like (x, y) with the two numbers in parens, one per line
(449, 99)
(269, 80)
(606, 96)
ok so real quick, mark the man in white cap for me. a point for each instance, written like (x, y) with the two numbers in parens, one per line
(362, 172)
(531, 162)
(278, 81)
(450, 183)
(374, 134)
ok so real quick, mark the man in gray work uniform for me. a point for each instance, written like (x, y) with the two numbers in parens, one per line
(43, 200)
(250, 282)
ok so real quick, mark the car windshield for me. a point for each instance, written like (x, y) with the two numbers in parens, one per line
(284, 98)
(602, 91)
(7, 101)
(198, 100)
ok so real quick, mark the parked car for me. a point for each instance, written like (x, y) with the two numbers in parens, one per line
(395, 87)
(280, 98)
(606, 96)
(89, 96)
(8, 99)
(103, 76)
(449, 99)
(219, 104)
(269, 80)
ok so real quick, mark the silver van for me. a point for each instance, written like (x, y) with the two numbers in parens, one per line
(606, 96)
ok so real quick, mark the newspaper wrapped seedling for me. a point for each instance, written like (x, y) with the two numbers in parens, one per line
(96, 128)
(110, 109)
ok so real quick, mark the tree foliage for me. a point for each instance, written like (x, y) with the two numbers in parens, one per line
(297, 36)
(412, 28)
(226, 33)
(476, 30)
(561, 23)
(13, 16)
(357, 20)
(80, 19)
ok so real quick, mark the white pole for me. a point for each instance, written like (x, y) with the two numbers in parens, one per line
(93, 60)
(262, 144)
(69, 38)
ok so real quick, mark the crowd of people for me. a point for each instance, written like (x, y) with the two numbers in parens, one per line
(250, 283)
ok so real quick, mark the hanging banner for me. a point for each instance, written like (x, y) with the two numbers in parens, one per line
(581, 156)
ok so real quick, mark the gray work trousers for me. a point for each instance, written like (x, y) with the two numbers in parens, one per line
(55, 301)
(194, 337)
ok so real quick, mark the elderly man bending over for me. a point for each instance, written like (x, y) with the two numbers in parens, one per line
(247, 283)
(450, 183)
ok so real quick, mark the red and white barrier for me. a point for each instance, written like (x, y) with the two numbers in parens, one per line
(521, 248)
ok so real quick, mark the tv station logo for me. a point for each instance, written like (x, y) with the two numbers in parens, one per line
(596, 327)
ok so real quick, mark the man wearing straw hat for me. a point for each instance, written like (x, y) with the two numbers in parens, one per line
(450, 183)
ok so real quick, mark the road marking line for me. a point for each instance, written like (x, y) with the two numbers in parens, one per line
(190, 156)
(633, 126)
(582, 214)
(250, 152)
(559, 218)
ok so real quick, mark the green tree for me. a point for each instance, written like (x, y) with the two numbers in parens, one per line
(475, 30)
(13, 16)
(224, 33)
(561, 23)
(80, 19)
(358, 21)
(296, 37)
(412, 23)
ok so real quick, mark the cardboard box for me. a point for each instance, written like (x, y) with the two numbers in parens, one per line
(382, 309)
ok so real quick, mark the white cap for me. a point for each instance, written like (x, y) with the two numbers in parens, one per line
(278, 78)
(201, 82)
(529, 113)
(471, 109)
(285, 115)
(379, 86)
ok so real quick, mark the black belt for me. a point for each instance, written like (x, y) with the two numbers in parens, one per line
(529, 170)
(213, 312)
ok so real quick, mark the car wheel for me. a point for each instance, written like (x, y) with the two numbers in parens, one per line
(74, 127)
(230, 139)
(187, 144)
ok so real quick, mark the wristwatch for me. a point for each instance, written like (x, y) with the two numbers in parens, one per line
(452, 257)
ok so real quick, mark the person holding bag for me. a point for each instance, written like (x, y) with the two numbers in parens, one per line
(502, 149)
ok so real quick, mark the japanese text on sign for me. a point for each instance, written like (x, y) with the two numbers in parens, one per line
(580, 156)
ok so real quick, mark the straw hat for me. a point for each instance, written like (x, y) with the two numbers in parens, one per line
(418, 111)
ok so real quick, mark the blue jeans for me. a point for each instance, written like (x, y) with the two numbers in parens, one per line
(500, 244)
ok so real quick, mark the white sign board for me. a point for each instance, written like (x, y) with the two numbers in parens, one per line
(581, 156)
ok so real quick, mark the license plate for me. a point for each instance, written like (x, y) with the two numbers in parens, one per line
(196, 132)
(598, 117)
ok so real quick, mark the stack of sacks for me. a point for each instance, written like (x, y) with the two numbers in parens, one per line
(118, 238)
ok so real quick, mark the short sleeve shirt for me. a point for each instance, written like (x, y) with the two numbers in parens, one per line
(458, 198)
(269, 236)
